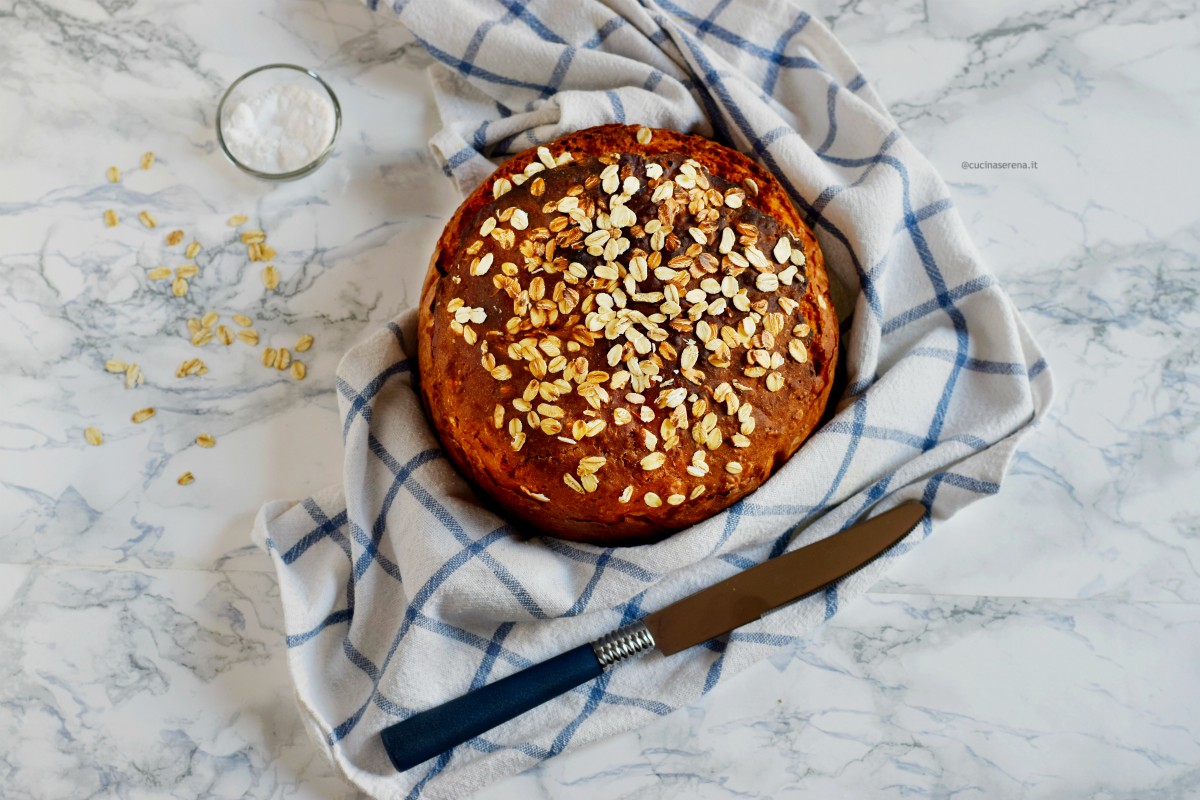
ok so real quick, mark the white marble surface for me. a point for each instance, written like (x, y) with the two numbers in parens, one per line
(1044, 643)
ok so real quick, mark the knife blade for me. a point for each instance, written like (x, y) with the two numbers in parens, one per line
(719, 609)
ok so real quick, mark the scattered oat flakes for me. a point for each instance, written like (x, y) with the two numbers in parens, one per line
(305, 342)
(142, 415)
(93, 436)
(110, 218)
(209, 319)
(270, 277)
(179, 287)
(192, 366)
(766, 282)
(206, 440)
(224, 335)
(115, 365)
(644, 135)
(192, 250)
(242, 320)
(249, 336)
(654, 460)
(187, 271)
(113, 174)
(783, 249)
(282, 358)
(186, 479)
(202, 337)
(299, 370)
(590, 464)
(699, 290)
(174, 238)
(268, 357)
(158, 273)
(147, 160)
(237, 219)
(147, 219)
(133, 376)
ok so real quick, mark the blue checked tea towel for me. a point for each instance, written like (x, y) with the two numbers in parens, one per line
(400, 590)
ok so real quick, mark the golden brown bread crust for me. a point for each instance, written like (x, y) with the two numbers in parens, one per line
(569, 447)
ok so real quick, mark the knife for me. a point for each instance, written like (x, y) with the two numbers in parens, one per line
(710, 612)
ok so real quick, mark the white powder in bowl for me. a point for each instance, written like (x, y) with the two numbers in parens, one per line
(281, 128)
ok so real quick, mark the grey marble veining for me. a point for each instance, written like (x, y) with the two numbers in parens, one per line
(927, 696)
(351, 242)
(1043, 644)
(1099, 249)
(120, 683)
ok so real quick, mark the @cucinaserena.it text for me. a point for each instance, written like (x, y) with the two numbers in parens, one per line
(999, 165)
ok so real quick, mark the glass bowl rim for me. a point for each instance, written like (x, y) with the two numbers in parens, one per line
(301, 171)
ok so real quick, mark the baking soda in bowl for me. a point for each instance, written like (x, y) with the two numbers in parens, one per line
(278, 120)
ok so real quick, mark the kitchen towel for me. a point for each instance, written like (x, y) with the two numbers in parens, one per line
(400, 590)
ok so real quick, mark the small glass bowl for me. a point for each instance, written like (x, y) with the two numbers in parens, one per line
(264, 77)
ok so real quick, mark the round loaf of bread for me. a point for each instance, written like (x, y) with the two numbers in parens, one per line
(623, 332)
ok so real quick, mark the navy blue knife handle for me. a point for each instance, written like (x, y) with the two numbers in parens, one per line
(434, 731)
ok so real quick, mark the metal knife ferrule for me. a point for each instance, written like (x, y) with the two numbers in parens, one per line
(613, 648)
